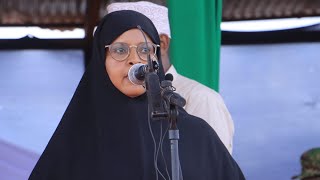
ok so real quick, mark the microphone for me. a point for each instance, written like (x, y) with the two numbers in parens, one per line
(168, 77)
(148, 73)
(137, 73)
(168, 92)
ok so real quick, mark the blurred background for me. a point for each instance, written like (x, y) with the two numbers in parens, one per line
(269, 78)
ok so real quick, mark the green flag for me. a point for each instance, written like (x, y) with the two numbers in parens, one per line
(196, 36)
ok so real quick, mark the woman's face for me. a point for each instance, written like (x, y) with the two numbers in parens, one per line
(118, 70)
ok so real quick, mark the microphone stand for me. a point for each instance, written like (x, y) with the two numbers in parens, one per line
(164, 103)
(173, 101)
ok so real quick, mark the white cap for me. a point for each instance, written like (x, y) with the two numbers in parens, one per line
(156, 13)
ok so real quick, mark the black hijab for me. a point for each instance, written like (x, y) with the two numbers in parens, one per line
(105, 135)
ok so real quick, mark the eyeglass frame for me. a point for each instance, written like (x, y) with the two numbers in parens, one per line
(135, 46)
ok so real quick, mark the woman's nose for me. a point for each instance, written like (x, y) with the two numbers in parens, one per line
(133, 57)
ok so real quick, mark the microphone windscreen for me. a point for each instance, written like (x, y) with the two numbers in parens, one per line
(169, 77)
(134, 74)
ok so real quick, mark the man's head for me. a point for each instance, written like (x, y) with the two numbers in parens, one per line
(158, 15)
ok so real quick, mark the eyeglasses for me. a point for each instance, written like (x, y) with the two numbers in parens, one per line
(121, 51)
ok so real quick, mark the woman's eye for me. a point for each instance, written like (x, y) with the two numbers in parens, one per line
(144, 50)
(120, 50)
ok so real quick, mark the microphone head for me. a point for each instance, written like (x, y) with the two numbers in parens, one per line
(134, 72)
(169, 77)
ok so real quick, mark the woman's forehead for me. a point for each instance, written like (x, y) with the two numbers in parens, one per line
(132, 36)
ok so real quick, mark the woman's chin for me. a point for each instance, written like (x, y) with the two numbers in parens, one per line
(134, 91)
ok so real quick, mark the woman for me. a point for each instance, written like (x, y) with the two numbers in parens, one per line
(105, 131)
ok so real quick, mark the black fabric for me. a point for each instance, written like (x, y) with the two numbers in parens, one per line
(105, 134)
